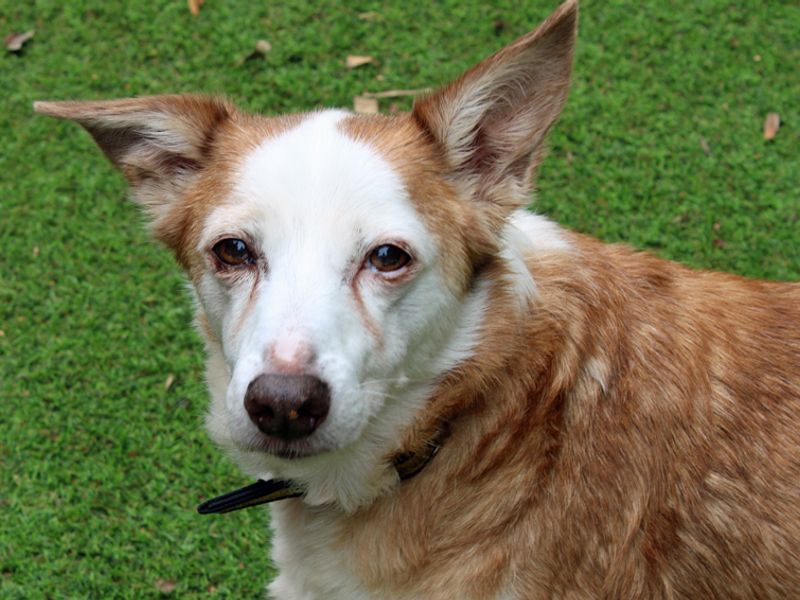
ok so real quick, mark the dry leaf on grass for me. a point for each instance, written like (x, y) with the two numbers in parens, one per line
(365, 106)
(354, 61)
(165, 586)
(194, 6)
(395, 93)
(771, 125)
(263, 47)
(369, 16)
(15, 41)
(704, 145)
(168, 383)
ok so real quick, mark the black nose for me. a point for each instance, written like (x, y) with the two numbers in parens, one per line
(287, 406)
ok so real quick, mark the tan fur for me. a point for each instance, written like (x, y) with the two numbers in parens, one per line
(633, 432)
(676, 475)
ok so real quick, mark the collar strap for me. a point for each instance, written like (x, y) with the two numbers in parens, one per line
(406, 464)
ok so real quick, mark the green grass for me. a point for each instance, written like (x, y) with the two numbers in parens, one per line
(101, 466)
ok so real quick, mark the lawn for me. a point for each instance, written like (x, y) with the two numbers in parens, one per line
(102, 447)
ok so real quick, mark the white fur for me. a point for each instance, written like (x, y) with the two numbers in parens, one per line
(526, 235)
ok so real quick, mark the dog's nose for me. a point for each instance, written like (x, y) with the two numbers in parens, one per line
(287, 406)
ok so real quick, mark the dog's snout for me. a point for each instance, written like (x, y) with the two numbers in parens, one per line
(287, 406)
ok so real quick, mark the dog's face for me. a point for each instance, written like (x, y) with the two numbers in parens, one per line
(339, 261)
(317, 270)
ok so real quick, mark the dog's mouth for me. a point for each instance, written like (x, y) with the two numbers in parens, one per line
(281, 448)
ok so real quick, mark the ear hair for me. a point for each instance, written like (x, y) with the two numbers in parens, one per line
(158, 142)
(492, 121)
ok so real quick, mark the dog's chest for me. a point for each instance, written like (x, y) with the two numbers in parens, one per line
(313, 559)
(318, 556)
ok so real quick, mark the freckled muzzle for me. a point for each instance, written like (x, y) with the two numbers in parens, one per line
(287, 407)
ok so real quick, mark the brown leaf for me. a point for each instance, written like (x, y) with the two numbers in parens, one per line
(168, 383)
(262, 48)
(718, 243)
(15, 41)
(165, 586)
(771, 125)
(354, 61)
(194, 6)
(365, 106)
(395, 93)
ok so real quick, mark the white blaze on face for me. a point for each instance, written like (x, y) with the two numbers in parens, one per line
(313, 203)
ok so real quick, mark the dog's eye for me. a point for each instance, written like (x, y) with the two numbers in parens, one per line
(233, 252)
(387, 258)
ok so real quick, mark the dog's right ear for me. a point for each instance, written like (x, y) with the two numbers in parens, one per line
(159, 143)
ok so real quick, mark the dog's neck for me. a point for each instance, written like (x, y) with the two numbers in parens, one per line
(407, 464)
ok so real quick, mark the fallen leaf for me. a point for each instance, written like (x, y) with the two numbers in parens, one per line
(165, 586)
(15, 41)
(365, 106)
(719, 243)
(395, 93)
(369, 16)
(36, 251)
(260, 51)
(771, 125)
(2, 333)
(681, 218)
(704, 145)
(354, 61)
(168, 383)
(194, 6)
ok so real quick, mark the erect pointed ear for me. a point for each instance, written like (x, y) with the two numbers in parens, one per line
(159, 142)
(492, 121)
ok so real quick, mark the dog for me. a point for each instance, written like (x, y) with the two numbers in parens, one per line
(456, 397)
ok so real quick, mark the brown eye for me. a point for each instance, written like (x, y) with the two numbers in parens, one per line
(233, 252)
(387, 258)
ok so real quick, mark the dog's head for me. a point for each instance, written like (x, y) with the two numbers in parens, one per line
(337, 260)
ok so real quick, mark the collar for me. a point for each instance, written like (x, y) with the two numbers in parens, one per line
(407, 464)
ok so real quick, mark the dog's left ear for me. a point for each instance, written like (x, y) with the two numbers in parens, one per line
(492, 121)
(159, 143)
